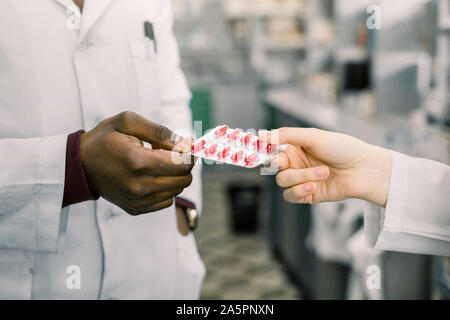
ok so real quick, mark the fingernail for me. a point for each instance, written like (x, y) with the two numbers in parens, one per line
(321, 172)
(308, 187)
(176, 139)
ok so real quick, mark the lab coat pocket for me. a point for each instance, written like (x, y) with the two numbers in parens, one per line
(190, 268)
(146, 78)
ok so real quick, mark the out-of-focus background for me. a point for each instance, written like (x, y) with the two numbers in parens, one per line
(272, 63)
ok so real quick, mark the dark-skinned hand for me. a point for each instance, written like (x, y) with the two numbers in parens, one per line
(137, 179)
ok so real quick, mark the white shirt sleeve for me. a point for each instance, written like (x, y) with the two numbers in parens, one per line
(417, 214)
(31, 191)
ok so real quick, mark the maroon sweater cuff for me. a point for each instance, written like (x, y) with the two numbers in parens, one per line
(184, 203)
(76, 188)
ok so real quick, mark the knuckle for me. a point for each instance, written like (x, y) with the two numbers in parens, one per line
(125, 118)
(135, 189)
(134, 160)
(297, 192)
(135, 164)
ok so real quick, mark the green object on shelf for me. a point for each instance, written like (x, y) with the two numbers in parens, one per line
(201, 106)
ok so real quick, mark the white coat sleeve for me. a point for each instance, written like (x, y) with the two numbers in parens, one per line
(417, 214)
(175, 94)
(31, 191)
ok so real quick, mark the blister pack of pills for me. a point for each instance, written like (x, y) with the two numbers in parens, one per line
(235, 147)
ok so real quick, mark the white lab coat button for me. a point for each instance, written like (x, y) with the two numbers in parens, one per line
(109, 216)
(85, 44)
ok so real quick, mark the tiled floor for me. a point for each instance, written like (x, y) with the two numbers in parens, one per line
(239, 266)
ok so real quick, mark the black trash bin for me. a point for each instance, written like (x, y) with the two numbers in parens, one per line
(244, 205)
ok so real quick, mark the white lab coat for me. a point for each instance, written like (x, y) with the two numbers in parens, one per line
(417, 214)
(333, 224)
(53, 81)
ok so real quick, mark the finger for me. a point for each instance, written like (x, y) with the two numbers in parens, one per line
(168, 164)
(161, 205)
(146, 203)
(160, 162)
(279, 162)
(171, 183)
(298, 192)
(283, 161)
(145, 186)
(292, 177)
(303, 137)
(155, 207)
(184, 145)
(159, 136)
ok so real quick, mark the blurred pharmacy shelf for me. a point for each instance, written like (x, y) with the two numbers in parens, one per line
(377, 130)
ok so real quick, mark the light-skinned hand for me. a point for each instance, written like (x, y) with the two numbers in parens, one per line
(321, 166)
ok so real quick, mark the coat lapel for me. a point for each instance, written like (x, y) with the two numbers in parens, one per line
(92, 11)
(65, 3)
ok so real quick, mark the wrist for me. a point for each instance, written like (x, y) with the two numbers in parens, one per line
(76, 188)
(84, 158)
(376, 175)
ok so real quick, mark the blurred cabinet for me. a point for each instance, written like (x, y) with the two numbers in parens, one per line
(201, 106)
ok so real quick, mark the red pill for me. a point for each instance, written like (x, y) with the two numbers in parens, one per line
(237, 156)
(250, 160)
(258, 145)
(224, 153)
(221, 132)
(246, 139)
(199, 146)
(234, 135)
(270, 147)
(211, 150)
